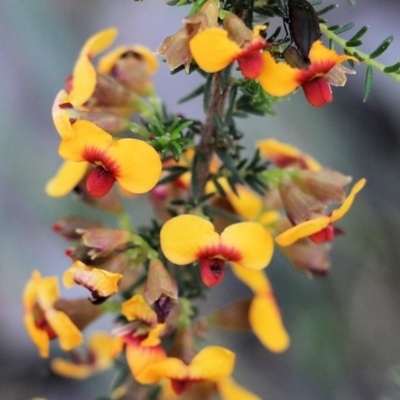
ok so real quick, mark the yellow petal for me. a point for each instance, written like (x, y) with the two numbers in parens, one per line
(252, 240)
(66, 178)
(153, 338)
(302, 230)
(321, 54)
(60, 117)
(30, 294)
(213, 50)
(101, 345)
(139, 358)
(167, 368)
(83, 81)
(107, 62)
(139, 165)
(256, 280)
(183, 236)
(68, 334)
(137, 308)
(342, 210)
(38, 336)
(48, 292)
(277, 79)
(99, 281)
(148, 57)
(212, 363)
(71, 370)
(228, 389)
(266, 322)
(87, 134)
(247, 204)
(99, 42)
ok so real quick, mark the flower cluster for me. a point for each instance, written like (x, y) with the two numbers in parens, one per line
(213, 48)
(214, 211)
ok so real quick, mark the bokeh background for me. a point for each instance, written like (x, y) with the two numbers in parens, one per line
(345, 329)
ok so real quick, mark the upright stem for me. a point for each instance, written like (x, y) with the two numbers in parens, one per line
(205, 147)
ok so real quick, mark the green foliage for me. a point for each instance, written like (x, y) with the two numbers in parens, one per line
(253, 100)
(349, 46)
(168, 137)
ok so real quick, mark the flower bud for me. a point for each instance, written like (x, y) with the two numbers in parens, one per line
(112, 95)
(103, 241)
(237, 30)
(175, 48)
(299, 205)
(67, 227)
(326, 185)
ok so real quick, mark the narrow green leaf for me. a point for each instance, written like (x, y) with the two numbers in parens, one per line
(368, 82)
(333, 27)
(326, 9)
(344, 28)
(360, 33)
(382, 47)
(354, 43)
(196, 92)
(352, 2)
(275, 34)
(392, 68)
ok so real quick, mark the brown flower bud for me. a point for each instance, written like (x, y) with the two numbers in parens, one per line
(67, 227)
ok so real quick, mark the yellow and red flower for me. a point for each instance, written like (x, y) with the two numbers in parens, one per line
(320, 229)
(213, 363)
(134, 164)
(279, 78)
(99, 358)
(42, 321)
(214, 48)
(189, 238)
(284, 155)
(83, 81)
(102, 284)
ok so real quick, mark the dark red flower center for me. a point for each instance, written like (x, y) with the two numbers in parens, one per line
(100, 181)
(212, 271)
(325, 235)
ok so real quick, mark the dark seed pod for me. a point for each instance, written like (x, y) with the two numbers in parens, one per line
(303, 25)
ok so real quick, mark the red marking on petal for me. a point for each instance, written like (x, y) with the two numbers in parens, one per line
(317, 91)
(251, 65)
(283, 161)
(228, 253)
(316, 69)
(100, 182)
(325, 235)
(42, 324)
(212, 271)
(96, 156)
(179, 386)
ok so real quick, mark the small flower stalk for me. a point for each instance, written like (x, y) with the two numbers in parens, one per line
(213, 208)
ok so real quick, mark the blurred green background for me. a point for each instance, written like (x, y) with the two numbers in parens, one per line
(345, 329)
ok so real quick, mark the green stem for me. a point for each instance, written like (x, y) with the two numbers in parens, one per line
(356, 53)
